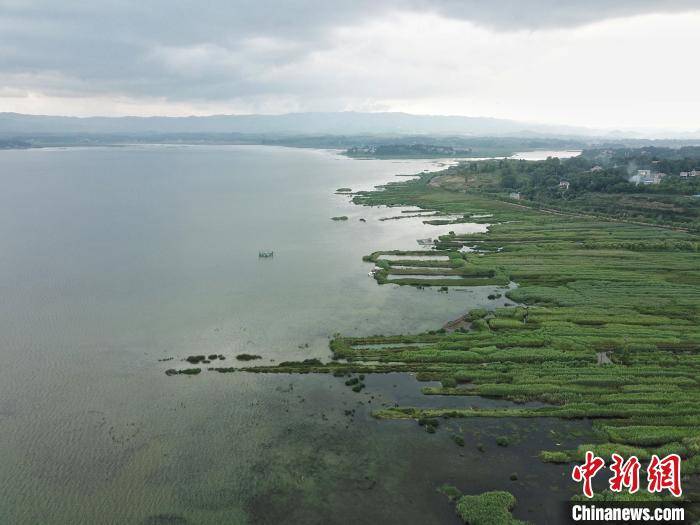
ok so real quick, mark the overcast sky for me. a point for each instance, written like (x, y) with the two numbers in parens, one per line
(602, 63)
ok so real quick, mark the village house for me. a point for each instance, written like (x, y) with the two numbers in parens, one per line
(656, 177)
(515, 196)
(596, 168)
(647, 177)
(564, 184)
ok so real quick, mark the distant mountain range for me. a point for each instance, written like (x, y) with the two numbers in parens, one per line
(344, 123)
(341, 123)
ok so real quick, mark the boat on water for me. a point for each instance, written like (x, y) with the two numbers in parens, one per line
(265, 254)
(424, 242)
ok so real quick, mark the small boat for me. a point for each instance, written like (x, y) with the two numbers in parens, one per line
(424, 242)
(266, 254)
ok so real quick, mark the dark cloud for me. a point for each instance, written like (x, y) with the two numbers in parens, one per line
(221, 49)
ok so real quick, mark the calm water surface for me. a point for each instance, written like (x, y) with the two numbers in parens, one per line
(114, 258)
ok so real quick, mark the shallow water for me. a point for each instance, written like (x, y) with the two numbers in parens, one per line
(114, 258)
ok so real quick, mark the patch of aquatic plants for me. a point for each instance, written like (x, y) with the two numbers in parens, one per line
(248, 357)
(429, 423)
(502, 441)
(183, 371)
(488, 508)
(204, 359)
(355, 383)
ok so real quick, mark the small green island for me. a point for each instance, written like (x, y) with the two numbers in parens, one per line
(340, 218)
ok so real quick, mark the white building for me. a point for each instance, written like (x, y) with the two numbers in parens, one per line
(515, 196)
(647, 177)
(564, 184)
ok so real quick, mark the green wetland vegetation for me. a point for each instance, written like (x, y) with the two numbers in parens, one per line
(603, 326)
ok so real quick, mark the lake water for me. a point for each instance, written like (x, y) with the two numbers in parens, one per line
(114, 258)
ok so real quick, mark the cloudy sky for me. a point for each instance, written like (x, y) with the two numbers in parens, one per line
(602, 63)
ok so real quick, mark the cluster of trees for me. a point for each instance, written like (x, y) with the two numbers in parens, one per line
(599, 171)
(665, 160)
(599, 182)
(542, 178)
